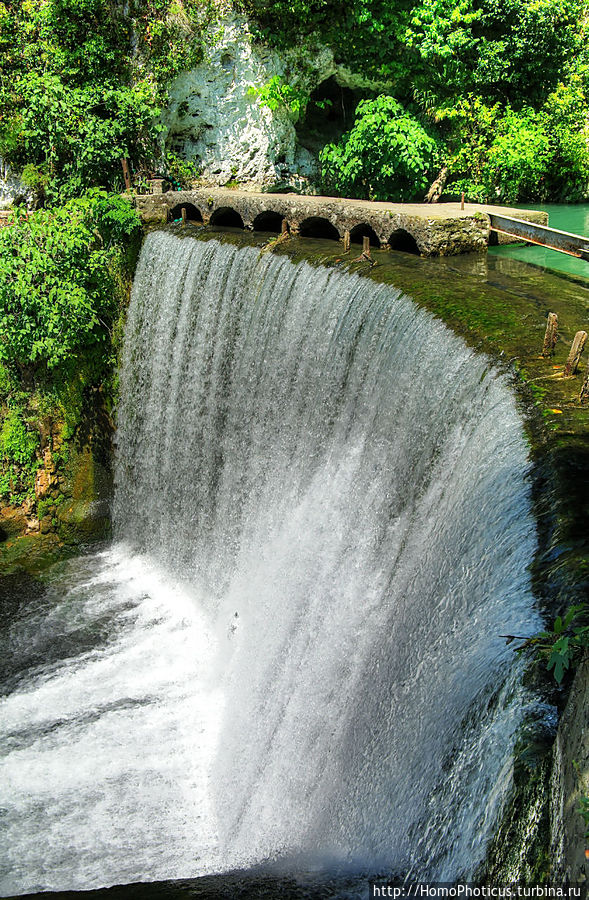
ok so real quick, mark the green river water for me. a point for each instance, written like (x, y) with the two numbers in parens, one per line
(565, 217)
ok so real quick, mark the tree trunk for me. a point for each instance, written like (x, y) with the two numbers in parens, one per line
(433, 195)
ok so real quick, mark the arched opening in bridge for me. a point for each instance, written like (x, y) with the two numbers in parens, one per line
(227, 217)
(269, 221)
(403, 241)
(192, 213)
(316, 227)
(359, 232)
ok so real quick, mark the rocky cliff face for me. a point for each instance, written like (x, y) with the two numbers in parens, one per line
(12, 190)
(71, 507)
(216, 118)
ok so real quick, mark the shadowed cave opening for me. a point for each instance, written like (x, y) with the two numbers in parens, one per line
(329, 113)
(192, 213)
(361, 231)
(404, 242)
(269, 221)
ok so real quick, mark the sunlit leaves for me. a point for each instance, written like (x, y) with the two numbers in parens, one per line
(564, 645)
(56, 281)
(387, 155)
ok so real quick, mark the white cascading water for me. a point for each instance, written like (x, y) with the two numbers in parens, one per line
(293, 649)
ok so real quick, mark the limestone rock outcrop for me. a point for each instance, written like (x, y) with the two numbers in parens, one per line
(12, 189)
(216, 118)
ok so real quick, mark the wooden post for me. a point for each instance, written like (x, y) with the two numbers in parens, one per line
(183, 211)
(551, 335)
(126, 174)
(346, 241)
(575, 354)
(284, 227)
(584, 395)
(462, 201)
(366, 245)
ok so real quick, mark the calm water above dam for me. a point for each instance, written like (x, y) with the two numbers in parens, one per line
(565, 217)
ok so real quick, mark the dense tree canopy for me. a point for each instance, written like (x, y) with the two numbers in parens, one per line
(501, 85)
(387, 152)
(82, 85)
(64, 274)
(58, 291)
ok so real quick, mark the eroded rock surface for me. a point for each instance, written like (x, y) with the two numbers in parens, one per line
(570, 781)
(216, 118)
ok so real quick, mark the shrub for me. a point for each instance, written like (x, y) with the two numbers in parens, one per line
(79, 134)
(388, 154)
(18, 446)
(499, 154)
(58, 292)
(518, 158)
(567, 125)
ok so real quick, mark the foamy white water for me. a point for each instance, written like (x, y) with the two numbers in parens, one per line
(293, 651)
(106, 754)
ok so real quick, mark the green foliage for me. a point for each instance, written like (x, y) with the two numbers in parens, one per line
(63, 282)
(169, 34)
(387, 155)
(79, 134)
(36, 178)
(567, 124)
(512, 50)
(507, 49)
(564, 645)
(183, 171)
(518, 156)
(506, 80)
(57, 290)
(83, 83)
(81, 86)
(443, 34)
(367, 35)
(18, 446)
(277, 93)
(501, 155)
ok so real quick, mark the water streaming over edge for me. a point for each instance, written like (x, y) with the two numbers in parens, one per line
(323, 527)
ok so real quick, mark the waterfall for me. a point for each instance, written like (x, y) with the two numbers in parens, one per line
(323, 528)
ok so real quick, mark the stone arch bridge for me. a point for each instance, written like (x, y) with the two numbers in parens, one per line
(442, 229)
